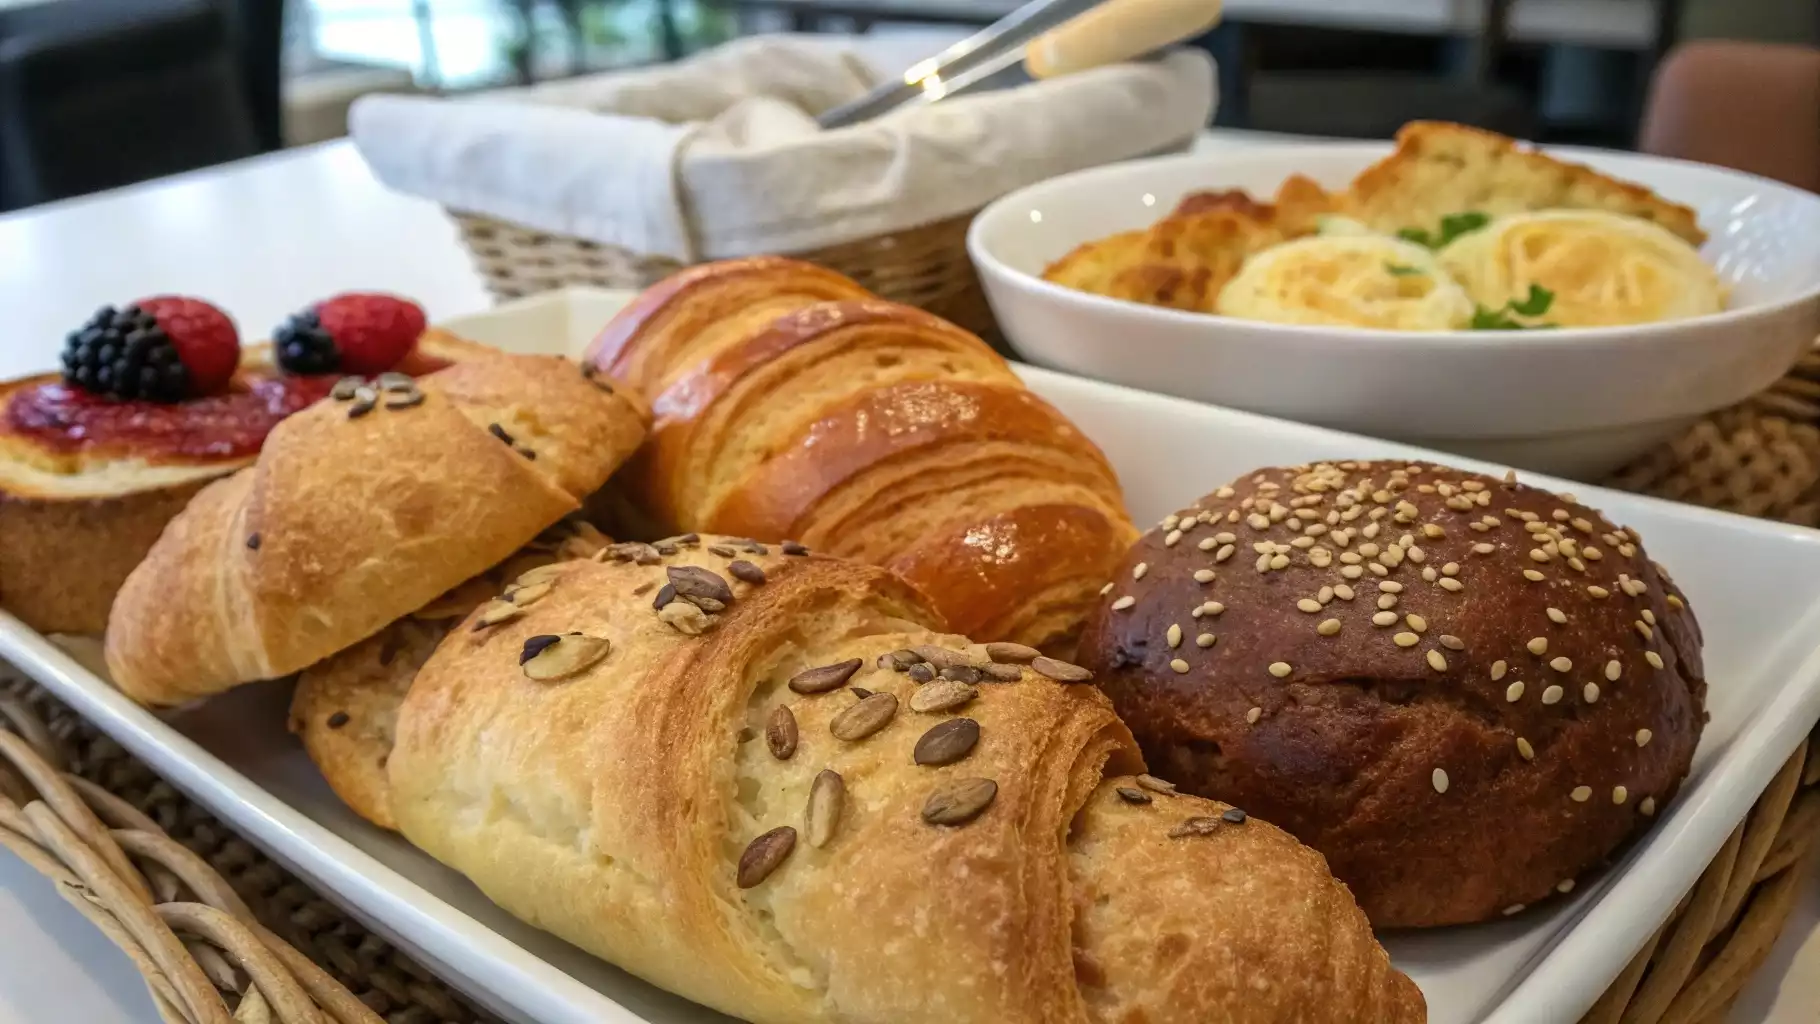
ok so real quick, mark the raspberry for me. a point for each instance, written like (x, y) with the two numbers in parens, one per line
(356, 333)
(162, 349)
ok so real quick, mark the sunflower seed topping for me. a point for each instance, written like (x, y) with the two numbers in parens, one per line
(947, 743)
(1203, 826)
(705, 589)
(861, 720)
(1012, 654)
(1001, 673)
(899, 660)
(827, 801)
(497, 612)
(665, 595)
(564, 656)
(942, 657)
(921, 673)
(1132, 795)
(746, 572)
(525, 597)
(765, 855)
(1156, 785)
(825, 678)
(1061, 671)
(959, 801)
(945, 695)
(780, 732)
(685, 618)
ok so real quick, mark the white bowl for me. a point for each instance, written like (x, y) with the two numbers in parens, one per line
(1574, 402)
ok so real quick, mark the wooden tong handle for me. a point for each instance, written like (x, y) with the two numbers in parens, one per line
(1117, 30)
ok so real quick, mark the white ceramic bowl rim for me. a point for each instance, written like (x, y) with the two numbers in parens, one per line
(1536, 339)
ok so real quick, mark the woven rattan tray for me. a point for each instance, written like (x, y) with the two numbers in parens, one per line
(222, 933)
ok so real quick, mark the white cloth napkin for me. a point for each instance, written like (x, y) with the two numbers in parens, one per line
(720, 156)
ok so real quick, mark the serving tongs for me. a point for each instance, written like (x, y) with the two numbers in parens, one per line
(1042, 39)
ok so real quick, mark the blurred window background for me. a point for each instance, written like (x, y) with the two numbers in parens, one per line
(99, 93)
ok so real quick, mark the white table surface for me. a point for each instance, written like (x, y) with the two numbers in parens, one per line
(262, 238)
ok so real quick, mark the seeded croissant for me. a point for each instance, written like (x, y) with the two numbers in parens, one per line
(791, 403)
(763, 817)
(358, 512)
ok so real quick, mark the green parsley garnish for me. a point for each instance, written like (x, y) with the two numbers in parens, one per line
(1535, 304)
(1399, 270)
(1452, 226)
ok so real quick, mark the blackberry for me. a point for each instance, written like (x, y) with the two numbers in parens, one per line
(125, 354)
(304, 347)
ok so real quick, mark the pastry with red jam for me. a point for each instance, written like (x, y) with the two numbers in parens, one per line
(156, 399)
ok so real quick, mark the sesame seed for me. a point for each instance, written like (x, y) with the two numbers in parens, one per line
(1538, 646)
(1649, 616)
(1648, 806)
(1174, 635)
(1498, 668)
(1533, 576)
(1212, 608)
(1203, 575)
(1279, 562)
(1514, 692)
(1591, 554)
(1172, 538)
(1561, 665)
(1436, 661)
(1208, 543)
(1415, 554)
(1205, 640)
(1309, 605)
(1538, 555)
(1343, 592)
(1224, 492)
(1224, 553)
(1369, 550)
(1369, 531)
(1263, 563)
(1170, 522)
(1450, 569)
(1582, 525)
(1253, 715)
(1350, 558)
(1552, 694)
(1510, 476)
(1416, 622)
(1676, 603)
(1535, 527)
(1654, 659)
(1328, 627)
(1581, 794)
(1391, 587)
(1280, 669)
(1406, 639)
(1514, 909)
(1613, 670)
(1180, 666)
(1451, 585)
(1138, 570)
(1302, 543)
(1428, 574)
(1377, 570)
(1619, 794)
(1576, 565)
(1439, 778)
(1564, 886)
(1644, 630)
(1483, 549)
(1351, 572)
(1226, 538)
(1257, 521)
(1123, 603)
(1528, 752)
(1627, 550)
(1107, 589)
(1599, 592)
(1481, 528)
(1560, 514)
(1325, 596)
(1384, 619)
(1590, 692)
(1432, 532)
(1452, 643)
(1643, 737)
(1557, 616)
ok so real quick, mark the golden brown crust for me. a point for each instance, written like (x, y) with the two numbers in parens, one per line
(64, 552)
(345, 524)
(1342, 741)
(345, 707)
(614, 807)
(874, 430)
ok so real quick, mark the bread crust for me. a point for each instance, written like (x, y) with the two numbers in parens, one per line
(789, 403)
(612, 807)
(1436, 756)
(65, 551)
(346, 523)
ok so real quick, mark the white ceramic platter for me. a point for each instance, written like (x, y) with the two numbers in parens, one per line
(1754, 585)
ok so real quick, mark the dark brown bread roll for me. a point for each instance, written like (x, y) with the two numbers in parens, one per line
(1464, 691)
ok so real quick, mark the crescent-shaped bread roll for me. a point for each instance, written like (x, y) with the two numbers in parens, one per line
(789, 403)
(746, 796)
(351, 519)
(345, 707)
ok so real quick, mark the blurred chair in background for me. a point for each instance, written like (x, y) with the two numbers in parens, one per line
(1750, 106)
(100, 93)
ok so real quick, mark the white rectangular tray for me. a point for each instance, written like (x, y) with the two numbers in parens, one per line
(1754, 585)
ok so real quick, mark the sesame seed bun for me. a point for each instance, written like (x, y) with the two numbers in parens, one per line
(1464, 691)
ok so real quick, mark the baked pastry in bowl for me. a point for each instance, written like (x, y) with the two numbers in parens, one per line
(1464, 691)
